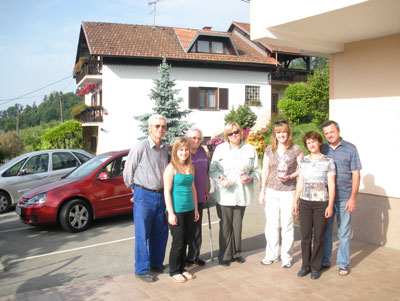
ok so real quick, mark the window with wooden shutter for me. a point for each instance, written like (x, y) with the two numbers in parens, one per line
(208, 98)
(223, 99)
(193, 98)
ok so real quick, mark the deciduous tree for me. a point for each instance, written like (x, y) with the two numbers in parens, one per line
(66, 135)
(308, 102)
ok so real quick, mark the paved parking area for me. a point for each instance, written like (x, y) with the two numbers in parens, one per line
(375, 275)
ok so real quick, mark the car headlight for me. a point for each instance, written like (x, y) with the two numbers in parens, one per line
(37, 199)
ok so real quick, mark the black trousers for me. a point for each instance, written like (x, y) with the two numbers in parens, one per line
(312, 227)
(181, 234)
(195, 246)
(230, 231)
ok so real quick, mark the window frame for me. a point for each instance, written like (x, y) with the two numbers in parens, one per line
(62, 159)
(274, 103)
(226, 48)
(252, 95)
(207, 98)
(36, 167)
(221, 99)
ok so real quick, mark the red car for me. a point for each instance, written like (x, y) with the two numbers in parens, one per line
(94, 190)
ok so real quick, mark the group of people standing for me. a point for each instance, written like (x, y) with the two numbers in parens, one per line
(317, 187)
(173, 195)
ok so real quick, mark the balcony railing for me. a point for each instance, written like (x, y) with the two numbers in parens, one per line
(291, 75)
(91, 114)
(89, 67)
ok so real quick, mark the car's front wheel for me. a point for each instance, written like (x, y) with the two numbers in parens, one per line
(5, 202)
(75, 216)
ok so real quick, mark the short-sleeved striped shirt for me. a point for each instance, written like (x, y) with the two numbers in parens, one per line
(346, 160)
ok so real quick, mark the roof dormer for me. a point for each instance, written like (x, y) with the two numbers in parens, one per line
(207, 42)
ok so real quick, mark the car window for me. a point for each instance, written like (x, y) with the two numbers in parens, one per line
(36, 164)
(83, 158)
(88, 167)
(64, 160)
(116, 167)
(13, 170)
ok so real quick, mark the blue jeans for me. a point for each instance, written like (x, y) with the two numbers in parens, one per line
(151, 229)
(344, 235)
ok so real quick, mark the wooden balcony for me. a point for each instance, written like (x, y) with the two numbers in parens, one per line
(91, 114)
(91, 68)
(290, 75)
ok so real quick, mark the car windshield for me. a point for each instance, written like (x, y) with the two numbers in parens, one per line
(88, 167)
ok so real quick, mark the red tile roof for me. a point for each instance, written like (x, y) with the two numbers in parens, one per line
(274, 48)
(126, 40)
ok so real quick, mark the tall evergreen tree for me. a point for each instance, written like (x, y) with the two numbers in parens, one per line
(167, 105)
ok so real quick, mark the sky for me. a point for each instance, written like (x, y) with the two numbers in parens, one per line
(39, 38)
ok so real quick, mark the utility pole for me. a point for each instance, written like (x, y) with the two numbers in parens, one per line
(154, 3)
(61, 108)
(17, 125)
(18, 110)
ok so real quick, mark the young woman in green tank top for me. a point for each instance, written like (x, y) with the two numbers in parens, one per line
(181, 202)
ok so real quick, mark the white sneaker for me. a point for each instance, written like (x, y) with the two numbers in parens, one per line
(287, 265)
(268, 262)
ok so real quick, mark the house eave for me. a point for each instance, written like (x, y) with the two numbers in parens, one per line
(193, 63)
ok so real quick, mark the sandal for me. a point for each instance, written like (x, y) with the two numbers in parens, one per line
(344, 271)
(178, 278)
(188, 276)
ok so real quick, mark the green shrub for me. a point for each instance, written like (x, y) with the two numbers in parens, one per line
(11, 145)
(243, 115)
(66, 135)
(307, 102)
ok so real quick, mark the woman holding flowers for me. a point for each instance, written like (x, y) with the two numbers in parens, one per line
(278, 186)
(235, 169)
(181, 204)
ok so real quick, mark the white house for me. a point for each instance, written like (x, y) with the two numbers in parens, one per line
(362, 40)
(213, 70)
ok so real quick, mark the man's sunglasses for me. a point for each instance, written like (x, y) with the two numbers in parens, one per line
(234, 132)
(157, 126)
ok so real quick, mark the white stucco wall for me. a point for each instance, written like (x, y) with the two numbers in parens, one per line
(365, 100)
(126, 90)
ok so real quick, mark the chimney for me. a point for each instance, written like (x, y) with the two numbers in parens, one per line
(207, 28)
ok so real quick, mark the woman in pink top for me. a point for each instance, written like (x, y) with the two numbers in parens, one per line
(278, 186)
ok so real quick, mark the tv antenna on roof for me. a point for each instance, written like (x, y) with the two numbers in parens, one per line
(154, 3)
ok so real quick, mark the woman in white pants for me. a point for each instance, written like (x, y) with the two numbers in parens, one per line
(278, 186)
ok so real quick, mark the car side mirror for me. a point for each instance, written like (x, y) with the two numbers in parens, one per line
(23, 172)
(103, 176)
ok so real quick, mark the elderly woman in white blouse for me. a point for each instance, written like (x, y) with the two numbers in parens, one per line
(236, 170)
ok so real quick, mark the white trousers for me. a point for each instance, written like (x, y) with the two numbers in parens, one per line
(278, 212)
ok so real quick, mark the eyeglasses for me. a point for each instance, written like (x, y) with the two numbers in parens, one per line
(234, 132)
(280, 122)
(157, 126)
